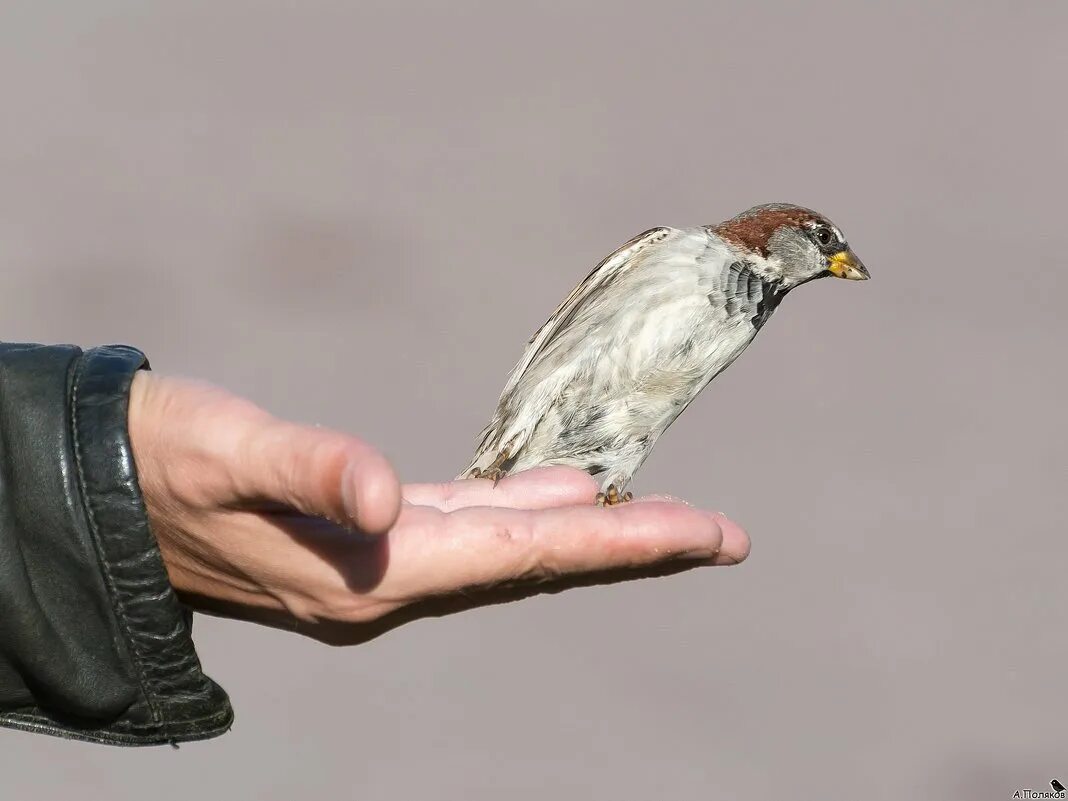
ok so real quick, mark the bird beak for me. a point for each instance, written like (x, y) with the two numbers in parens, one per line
(845, 264)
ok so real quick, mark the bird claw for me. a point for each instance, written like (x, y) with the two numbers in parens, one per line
(612, 497)
(495, 471)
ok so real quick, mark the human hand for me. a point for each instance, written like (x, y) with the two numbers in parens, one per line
(309, 530)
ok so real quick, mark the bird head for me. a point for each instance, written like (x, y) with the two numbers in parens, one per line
(799, 244)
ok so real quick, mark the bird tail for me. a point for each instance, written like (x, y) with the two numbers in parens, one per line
(484, 453)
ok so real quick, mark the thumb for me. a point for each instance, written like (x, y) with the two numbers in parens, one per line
(321, 473)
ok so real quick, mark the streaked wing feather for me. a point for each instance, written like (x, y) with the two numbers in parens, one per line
(610, 268)
(620, 260)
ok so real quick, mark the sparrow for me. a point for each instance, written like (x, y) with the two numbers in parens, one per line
(636, 341)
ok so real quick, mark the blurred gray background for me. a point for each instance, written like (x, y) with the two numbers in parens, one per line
(356, 213)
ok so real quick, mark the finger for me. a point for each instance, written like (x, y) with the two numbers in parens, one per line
(736, 544)
(389, 617)
(540, 488)
(481, 547)
(321, 473)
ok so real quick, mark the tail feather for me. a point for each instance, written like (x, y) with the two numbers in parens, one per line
(484, 453)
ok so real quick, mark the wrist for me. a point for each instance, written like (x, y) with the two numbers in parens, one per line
(143, 425)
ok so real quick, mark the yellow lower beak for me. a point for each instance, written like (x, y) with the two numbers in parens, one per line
(845, 264)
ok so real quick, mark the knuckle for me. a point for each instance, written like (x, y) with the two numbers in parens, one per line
(537, 565)
(344, 606)
(447, 492)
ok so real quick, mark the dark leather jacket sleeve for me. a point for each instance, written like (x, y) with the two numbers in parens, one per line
(94, 644)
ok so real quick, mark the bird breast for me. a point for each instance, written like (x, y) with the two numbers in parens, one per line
(656, 336)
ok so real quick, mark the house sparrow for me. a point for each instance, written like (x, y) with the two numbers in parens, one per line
(641, 336)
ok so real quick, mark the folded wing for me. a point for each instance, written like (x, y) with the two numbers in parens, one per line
(515, 418)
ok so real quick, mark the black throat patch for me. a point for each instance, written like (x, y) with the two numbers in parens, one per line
(772, 296)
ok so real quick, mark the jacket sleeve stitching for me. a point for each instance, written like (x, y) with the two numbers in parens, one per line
(116, 602)
(121, 725)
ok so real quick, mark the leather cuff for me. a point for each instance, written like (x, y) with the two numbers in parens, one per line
(145, 685)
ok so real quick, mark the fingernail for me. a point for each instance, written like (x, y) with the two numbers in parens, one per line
(699, 553)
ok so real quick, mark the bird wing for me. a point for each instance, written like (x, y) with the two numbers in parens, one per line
(619, 262)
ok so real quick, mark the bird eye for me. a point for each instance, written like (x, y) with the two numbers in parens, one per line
(823, 235)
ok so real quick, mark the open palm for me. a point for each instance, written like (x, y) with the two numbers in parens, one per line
(310, 530)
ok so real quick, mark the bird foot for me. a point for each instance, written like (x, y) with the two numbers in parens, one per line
(612, 497)
(494, 471)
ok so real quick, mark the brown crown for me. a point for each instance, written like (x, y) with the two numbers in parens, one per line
(753, 228)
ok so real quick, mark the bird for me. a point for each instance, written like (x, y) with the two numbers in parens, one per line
(638, 339)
